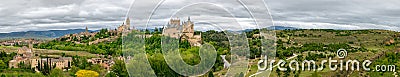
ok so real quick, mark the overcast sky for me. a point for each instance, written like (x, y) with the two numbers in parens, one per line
(39, 15)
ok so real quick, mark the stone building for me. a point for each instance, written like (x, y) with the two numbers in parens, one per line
(183, 32)
(59, 62)
(26, 56)
(105, 63)
(125, 27)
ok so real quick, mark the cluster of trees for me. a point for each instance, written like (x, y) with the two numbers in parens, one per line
(153, 49)
(220, 41)
(5, 58)
(80, 63)
(388, 58)
(189, 53)
(105, 48)
(156, 58)
(103, 33)
(118, 70)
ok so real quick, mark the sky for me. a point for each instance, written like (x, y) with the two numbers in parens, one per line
(39, 15)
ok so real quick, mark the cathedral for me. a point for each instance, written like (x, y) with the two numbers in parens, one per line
(183, 31)
(125, 27)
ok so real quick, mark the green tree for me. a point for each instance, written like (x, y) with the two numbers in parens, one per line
(210, 74)
(56, 73)
(97, 68)
(73, 70)
(47, 67)
(119, 69)
(111, 74)
(2, 65)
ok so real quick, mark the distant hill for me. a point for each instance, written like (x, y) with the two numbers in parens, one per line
(40, 34)
(282, 28)
(274, 28)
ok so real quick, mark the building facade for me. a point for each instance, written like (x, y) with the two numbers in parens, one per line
(183, 32)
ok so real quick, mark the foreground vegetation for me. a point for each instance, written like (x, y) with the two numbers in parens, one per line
(315, 44)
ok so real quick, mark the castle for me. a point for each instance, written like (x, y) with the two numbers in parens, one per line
(183, 32)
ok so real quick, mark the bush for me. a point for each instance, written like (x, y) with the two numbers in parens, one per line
(86, 73)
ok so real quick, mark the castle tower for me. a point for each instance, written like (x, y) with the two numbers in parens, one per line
(174, 22)
(188, 28)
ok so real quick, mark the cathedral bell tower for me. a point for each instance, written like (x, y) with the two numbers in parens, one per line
(127, 23)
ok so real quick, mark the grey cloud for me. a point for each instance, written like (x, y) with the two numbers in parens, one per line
(220, 13)
(357, 13)
(24, 15)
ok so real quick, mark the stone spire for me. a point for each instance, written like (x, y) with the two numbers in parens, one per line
(127, 23)
(86, 30)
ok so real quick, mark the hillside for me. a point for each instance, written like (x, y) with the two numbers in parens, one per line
(40, 34)
(319, 44)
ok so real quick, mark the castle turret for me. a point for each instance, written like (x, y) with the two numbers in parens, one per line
(174, 22)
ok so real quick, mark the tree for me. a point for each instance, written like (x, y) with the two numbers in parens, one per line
(63, 54)
(56, 73)
(111, 74)
(73, 70)
(119, 69)
(46, 68)
(97, 68)
(2, 65)
(210, 74)
(86, 73)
